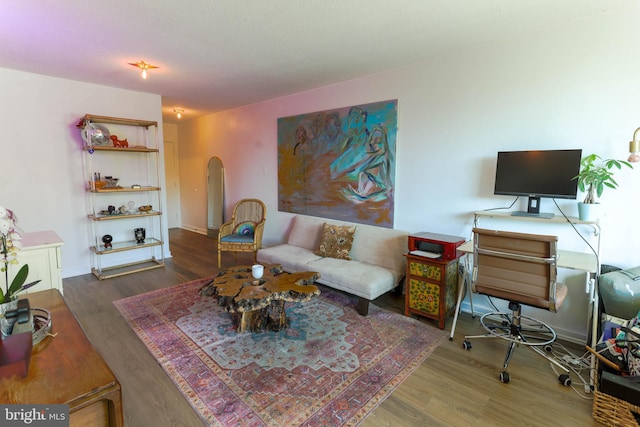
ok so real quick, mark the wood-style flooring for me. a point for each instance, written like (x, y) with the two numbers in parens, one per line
(453, 387)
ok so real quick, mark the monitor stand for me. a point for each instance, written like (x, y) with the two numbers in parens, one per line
(544, 215)
(533, 210)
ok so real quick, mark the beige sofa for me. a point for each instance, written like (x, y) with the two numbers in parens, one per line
(377, 265)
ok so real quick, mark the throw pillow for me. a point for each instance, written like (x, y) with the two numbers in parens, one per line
(336, 241)
(246, 228)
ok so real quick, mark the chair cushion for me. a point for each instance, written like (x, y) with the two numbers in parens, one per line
(237, 238)
(355, 277)
(561, 294)
(292, 258)
(336, 241)
(247, 228)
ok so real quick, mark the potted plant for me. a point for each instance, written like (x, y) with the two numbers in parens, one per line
(595, 175)
(10, 243)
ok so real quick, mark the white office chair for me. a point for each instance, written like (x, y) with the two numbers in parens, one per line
(519, 268)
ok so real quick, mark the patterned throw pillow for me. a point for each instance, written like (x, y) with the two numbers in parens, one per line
(336, 241)
(246, 228)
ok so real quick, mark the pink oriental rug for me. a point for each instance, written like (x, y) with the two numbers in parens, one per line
(329, 367)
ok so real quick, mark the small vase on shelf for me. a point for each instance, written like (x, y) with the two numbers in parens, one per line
(588, 211)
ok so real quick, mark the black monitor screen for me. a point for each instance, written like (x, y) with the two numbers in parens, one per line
(538, 173)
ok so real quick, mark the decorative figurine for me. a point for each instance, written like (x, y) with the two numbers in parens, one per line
(140, 234)
(107, 239)
(118, 142)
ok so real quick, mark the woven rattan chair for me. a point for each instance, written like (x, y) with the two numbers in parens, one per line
(519, 268)
(243, 233)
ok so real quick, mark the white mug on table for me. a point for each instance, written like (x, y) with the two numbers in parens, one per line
(257, 271)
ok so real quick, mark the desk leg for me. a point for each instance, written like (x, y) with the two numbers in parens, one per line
(462, 279)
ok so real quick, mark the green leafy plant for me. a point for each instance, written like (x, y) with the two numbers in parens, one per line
(10, 243)
(596, 173)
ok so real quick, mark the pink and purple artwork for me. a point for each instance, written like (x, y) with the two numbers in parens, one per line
(339, 163)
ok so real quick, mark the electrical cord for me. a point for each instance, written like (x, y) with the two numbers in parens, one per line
(475, 221)
(571, 384)
(595, 253)
(576, 365)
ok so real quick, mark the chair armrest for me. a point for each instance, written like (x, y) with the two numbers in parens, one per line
(258, 234)
(225, 229)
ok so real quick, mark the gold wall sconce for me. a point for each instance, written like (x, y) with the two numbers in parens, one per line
(634, 148)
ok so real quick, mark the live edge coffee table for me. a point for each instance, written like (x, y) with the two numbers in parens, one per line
(258, 304)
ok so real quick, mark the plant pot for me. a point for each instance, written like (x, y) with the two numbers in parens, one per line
(588, 211)
(6, 326)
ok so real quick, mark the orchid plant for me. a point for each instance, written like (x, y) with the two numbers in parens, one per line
(10, 244)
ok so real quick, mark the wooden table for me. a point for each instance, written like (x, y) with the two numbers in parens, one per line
(258, 304)
(66, 369)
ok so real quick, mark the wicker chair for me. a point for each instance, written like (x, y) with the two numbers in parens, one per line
(243, 233)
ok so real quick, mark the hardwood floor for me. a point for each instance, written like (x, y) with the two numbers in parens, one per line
(452, 387)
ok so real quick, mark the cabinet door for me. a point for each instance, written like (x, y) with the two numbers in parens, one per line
(424, 296)
(43, 266)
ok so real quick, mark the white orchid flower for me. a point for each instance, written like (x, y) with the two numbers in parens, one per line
(5, 225)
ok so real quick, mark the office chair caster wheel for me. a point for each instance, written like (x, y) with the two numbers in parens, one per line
(466, 344)
(504, 377)
(564, 380)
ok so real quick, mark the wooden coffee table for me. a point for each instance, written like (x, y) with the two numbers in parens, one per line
(258, 304)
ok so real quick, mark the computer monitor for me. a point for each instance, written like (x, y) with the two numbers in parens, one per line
(536, 174)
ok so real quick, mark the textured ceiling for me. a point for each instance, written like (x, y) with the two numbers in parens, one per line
(218, 54)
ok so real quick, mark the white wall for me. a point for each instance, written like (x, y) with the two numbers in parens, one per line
(41, 161)
(172, 175)
(569, 87)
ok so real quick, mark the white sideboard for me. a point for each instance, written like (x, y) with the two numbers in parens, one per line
(42, 250)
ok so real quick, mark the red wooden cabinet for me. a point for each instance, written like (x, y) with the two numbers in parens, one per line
(431, 287)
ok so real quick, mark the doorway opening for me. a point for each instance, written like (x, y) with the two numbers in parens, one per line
(215, 196)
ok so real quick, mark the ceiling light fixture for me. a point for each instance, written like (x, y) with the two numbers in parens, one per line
(178, 112)
(143, 66)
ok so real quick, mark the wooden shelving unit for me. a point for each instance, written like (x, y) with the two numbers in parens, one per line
(137, 168)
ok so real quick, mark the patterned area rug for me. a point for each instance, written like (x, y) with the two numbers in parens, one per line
(329, 367)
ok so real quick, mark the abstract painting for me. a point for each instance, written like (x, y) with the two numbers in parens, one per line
(339, 163)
